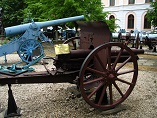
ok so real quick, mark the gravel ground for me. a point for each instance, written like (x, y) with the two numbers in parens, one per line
(58, 100)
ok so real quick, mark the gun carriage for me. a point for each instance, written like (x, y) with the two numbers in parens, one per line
(105, 72)
(129, 38)
(138, 40)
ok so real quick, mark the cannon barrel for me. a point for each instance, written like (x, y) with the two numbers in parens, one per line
(19, 29)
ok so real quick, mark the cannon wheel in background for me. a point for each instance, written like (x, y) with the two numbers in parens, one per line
(105, 83)
(30, 50)
(71, 42)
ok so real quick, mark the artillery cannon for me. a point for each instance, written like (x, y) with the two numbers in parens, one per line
(105, 72)
(27, 45)
(137, 40)
(128, 38)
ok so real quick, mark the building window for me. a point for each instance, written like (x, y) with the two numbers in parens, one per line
(112, 2)
(147, 24)
(112, 18)
(147, 1)
(131, 21)
(131, 1)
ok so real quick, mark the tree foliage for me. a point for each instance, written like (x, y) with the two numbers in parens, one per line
(35, 10)
(92, 9)
(48, 10)
(45, 9)
(17, 11)
(12, 11)
(152, 14)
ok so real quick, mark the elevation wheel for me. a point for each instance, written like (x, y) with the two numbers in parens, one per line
(30, 50)
(108, 75)
(72, 42)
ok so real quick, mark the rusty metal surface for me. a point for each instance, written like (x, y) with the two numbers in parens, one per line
(39, 77)
(79, 53)
(135, 51)
(93, 33)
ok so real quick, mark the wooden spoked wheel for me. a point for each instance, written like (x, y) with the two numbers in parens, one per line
(72, 42)
(108, 75)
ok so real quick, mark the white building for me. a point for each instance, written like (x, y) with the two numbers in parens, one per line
(131, 14)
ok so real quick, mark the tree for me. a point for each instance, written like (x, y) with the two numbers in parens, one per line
(42, 10)
(92, 9)
(152, 14)
(16, 12)
(13, 12)
(35, 10)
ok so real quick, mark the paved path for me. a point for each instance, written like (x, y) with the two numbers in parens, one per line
(148, 61)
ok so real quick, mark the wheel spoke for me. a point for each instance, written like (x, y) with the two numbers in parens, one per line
(116, 61)
(31, 44)
(23, 52)
(95, 90)
(123, 81)
(119, 67)
(126, 72)
(29, 57)
(101, 63)
(110, 92)
(34, 43)
(102, 95)
(28, 44)
(109, 57)
(35, 47)
(95, 71)
(116, 86)
(93, 81)
(23, 48)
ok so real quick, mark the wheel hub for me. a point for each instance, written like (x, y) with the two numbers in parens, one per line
(30, 51)
(110, 77)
